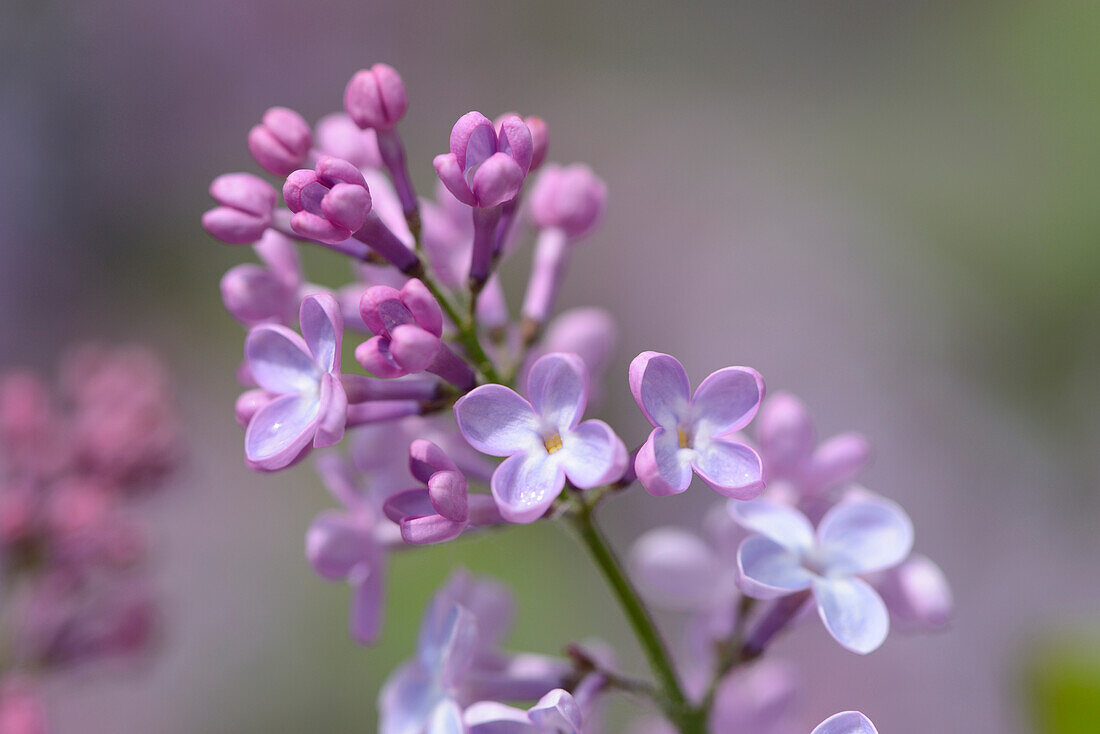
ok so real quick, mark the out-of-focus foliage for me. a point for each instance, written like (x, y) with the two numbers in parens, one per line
(1063, 679)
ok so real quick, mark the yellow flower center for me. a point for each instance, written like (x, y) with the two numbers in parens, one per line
(685, 439)
(553, 444)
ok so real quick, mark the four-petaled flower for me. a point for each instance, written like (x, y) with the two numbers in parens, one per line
(302, 376)
(692, 432)
(544, 439)
(855, 537)
(486, 168)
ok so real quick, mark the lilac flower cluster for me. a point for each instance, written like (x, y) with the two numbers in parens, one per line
(466, 418)
(72, 464)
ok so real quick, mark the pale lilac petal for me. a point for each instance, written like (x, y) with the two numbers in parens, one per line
(446, 719)
(768, 569)
(413, 348)
(846, 722)
(407, 700)
(451, 175)
(785, 525)
(423, 306)
(280, 361)
(731, 469)
(661, 389)
(917, 593)
(514, 139)
(473, 139)
(557, 712)
(413, 502)
(558, 388)
(333, 414)
(365, 619)
(853, 612)
(322, 328)
(727, 400)
(864, 535)
(375, 356)
(838, 460)
(525, 486)
(593, 455)
(336, 542)
(338, 475)
(497, 421)
(674, 569)
(785, 433)
(280, 253)
(280, 430)
(518, 677)
(447, 491)
(425, 459)
(490, 717)
(448, 640)
(662, 467)
(590, 333)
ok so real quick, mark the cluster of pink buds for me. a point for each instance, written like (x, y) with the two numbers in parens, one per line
(72, 463)
(467, 416)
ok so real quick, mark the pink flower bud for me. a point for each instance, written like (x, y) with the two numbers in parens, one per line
(330, 203)
(569, 198)
(247, 205)
(376, 98)
(281, 142)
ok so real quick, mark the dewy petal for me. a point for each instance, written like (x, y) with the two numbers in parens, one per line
(557, 386)
(862, 536)
(280, 430)
(557, 712)
(279, 360)
(660, 387)
(674, 569)
(853, 612)
(785, 525)
(730, 469)
(661, 466)
(727, 400)
(365, 620)
(525, 486)
(497, 421)
(768, 569)
(322, 327)
(336, 542)
(594, 455)
(846, 722)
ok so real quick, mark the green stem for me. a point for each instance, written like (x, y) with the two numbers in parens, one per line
(687, 718)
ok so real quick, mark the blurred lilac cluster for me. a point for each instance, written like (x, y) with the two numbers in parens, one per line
(466, 417)
(73, 463)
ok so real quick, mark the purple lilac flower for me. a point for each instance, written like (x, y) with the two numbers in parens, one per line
(566, 204)
(693, 432)
(555, 713)
(544, 439)
(457, 662)
(484, 169)
(302, 374)
(792, 456)
(281, 142)
(352, 545)
(846, 722)
(853, 538)
(443, 508)
(408, 328)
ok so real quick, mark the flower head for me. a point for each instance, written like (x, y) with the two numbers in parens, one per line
(543, 438)
(692, 432)
(330, 203)
(308, 405)
(855, 537)
(486, 168)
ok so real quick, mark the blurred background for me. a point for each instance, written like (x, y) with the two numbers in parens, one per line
(889, 209)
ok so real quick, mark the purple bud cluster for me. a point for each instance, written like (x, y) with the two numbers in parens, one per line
(73, 461)
(467, 417)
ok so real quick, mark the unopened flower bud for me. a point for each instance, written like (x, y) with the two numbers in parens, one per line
(376, 98)
(570, 198)
(247, 204)
(330, 203)
(281, 142)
